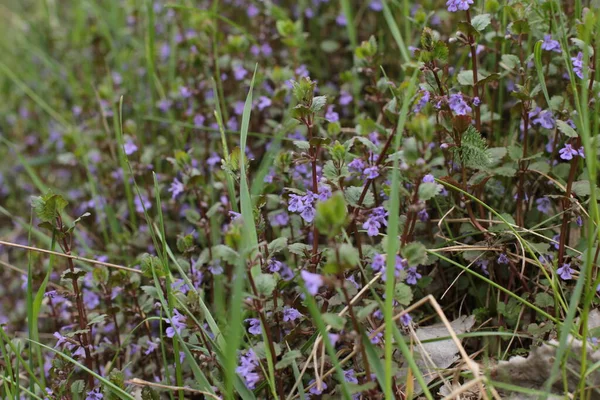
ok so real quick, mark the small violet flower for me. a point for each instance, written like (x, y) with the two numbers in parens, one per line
(503, 259)
(312, 281)
(550, 45)
(456, 5)
(544, 205)
(177, 322)
(565, 272)
(457, 104)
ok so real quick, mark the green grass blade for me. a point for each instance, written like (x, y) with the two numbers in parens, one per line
(248, 248)
(350, 27)
(392, 245)
(389, 18)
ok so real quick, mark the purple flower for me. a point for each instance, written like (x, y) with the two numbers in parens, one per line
(350, 376)
(578, 65)
(324, 192)
(239, 72)
(213, 160)
(357, 165)
(545, 119)
(266, 49)
(376, 5)
(176, 188)
(423, 215)
(185, 92)
(406, 319)
(308, 214)
(476, 101)
(312, 281)
(314, 390)
(423, 100)
(345, 98)
(280, 219)
(568, 152)
(254, 327)
(412, 276)
(428, 179)
(371, 172)
(62, 340)
(247, 367)
(264, 102)
(151, 347)
(94, 395)
(378, 263)
(331, 115)
(341, 20)
(555, 241)
(164, 105)
(579, 221)
(177, 322)
(375, 221)
(377, 338)
(458, 105)
(483, 264)
(215, 267)
(290, 314)
(129, 147)
(550, 45)
(565, 272)
(503, 259)
(199, 120)
(455, 5)
(295, 203)
(544, 205)
(252, 10)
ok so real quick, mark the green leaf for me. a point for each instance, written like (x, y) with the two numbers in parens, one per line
(440, 52)
(583, 189)
(428, 190)
(515, 152)
(331, 215)
(302, 144)
(414, 253)
(544, 300)
(288, 359)
(334, 320)
(566, 129)
(510, 61)
(78, 387)
(541, 166)
(473, 150)
(348, 256)
(318, 103)
(481, 21)
(299, 249)
(330, 46)
(277, 245)
(403, 293)
(367, 310)
(265, 284)
(97, 319)
(465, 77)
(48, 206)
(352, 194)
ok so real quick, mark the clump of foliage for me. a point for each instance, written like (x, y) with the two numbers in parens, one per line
(243, 199)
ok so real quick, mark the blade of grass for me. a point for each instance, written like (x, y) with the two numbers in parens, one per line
(321, 326)
(392, 245)
(389, 18)
(114, 388)
(248, 249)
(350, 27)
